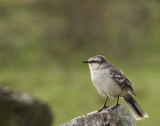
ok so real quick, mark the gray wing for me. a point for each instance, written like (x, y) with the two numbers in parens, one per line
(122, 80)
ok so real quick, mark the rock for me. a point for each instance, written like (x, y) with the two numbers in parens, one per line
(20, 109)
(108, 117)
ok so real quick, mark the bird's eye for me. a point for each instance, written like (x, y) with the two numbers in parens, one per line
(95, 61)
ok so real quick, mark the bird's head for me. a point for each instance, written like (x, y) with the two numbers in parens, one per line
(96, 62)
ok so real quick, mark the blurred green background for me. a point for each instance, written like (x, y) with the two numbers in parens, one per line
(43, 42)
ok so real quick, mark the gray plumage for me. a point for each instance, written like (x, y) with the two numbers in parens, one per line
(111, 82)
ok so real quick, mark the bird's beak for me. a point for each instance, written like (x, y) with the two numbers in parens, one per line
(86, 61)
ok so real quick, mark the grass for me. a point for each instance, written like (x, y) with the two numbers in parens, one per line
(70, 93)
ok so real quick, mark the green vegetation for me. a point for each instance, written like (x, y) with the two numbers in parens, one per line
(42, 45)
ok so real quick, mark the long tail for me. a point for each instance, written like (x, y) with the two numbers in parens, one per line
(135, 108)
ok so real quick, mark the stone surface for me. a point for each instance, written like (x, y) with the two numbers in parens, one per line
(108, 117)
(20, 109)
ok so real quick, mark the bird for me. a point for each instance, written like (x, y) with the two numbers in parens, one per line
(111, 82)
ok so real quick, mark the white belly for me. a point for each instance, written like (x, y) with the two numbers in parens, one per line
(105, 85)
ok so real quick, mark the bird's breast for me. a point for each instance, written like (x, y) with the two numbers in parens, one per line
(105, 85)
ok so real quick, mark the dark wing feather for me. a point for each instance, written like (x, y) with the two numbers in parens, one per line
(122, 81)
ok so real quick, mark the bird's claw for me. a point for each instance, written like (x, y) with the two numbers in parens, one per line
(104, 107)
(115, 106)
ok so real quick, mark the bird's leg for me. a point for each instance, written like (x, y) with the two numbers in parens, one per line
(104, 106)
(116, 103)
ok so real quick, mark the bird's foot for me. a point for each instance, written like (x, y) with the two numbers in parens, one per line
(115, 106)
(104, 107)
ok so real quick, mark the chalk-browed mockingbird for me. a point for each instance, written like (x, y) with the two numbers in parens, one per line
(111, 82)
